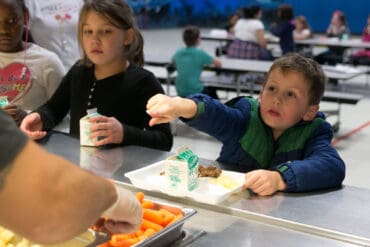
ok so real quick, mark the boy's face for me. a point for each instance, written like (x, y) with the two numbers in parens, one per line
(284, 100)
(11, 26)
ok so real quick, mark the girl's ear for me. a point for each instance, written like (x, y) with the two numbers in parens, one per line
(129, 36)
(311, 113)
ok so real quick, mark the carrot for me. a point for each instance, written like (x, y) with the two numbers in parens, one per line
(167, 216)
(148, 224)
(148, 232)
(139, 232)
(147, 204)
(106, 244)
(177, 217)
(172, 210)
(123, 240)
(153, 216)
(140, 196)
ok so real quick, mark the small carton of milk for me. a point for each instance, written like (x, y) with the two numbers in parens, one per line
(85, 128)
(182, 170)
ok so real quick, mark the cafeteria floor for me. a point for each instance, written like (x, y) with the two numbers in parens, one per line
(352, 140)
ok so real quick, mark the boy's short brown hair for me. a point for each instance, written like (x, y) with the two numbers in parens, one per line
(191, 35)
(310, 70)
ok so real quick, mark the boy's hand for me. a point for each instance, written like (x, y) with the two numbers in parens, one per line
(264, 182)
(164, 109)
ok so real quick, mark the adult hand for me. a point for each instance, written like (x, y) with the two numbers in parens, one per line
(164, 109)
(32, 126)
(264, 182)
(106, 129)
(15, 112)
(125, 215)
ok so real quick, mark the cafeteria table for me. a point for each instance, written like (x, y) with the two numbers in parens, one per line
(338, 217)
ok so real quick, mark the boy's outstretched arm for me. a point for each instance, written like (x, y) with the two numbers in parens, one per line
(164, 109)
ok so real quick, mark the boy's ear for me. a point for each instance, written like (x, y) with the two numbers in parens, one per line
(129, 36)
(311, 113)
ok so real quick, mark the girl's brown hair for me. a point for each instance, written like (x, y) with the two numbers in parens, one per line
(120, 15)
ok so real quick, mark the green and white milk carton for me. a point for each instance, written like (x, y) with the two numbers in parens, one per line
(85, 128)
(182, 171)
(3, 101)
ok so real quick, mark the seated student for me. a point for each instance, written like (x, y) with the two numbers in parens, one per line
(229, 27)
(284, 27)
(249, 36)
(31, 74)
(338, 28)
(302, 28)
(362, 56)
(281, 140)
(189, 62)
(109, 78)
(302, 31)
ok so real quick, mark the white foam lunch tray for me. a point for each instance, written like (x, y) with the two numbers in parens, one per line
(150, 178)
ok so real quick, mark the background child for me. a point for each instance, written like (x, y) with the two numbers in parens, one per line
(302, 31)
(30, 73)
(109, 78)
(302, 28)
(338, 28)
(362, 56)
(189, 62)
(284, 27)
(249, 34)
(280, 140)
(53, 24)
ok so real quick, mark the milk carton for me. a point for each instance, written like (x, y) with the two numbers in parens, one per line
(182, 171)
(3, 101)
(85, 128)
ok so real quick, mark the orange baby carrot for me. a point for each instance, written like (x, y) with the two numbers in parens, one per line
(140, 196)
(123, 240)
(147, 204)
(167, 216)
(177, 217)
(153, 216)
(148, 224)
(148, 232)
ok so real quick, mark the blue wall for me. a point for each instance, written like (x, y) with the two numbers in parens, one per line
(214, 13)
(319, 12)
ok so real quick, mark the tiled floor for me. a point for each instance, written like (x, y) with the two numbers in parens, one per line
(355, 119)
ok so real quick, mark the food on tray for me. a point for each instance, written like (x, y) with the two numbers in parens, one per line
(155, 218)
(225, 181)
(10, 239)
(209, 171)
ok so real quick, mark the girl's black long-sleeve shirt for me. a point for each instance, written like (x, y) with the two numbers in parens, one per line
(123, 96)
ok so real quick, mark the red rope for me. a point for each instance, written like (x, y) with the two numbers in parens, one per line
(345, 136)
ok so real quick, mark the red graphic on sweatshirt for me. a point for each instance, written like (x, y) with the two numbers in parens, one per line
(15, 81)
(62, 18)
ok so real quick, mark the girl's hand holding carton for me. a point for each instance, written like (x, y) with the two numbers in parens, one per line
(98, 130)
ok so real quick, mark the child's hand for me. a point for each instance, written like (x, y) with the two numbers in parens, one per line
(164, 109)
(264, 182)
(15, 112)
(107, 129)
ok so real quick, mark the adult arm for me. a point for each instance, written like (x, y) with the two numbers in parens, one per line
(320, 168)
(260, 35)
